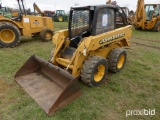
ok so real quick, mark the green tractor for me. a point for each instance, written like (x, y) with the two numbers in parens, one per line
(5, 12)
(60, 16)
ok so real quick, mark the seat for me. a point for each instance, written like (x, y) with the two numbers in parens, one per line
(75, 41)
(68, 52)
(18, 18)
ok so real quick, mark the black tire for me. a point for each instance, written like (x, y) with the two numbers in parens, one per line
(9, 35)
(35, 35)
(137, 28)
(60, 18)
(116, 59)
(46, 35)
(157, 27)
(90, 73)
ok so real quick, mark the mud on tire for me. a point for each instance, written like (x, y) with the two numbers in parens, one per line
(94, 71)
(157, 27)
(46, 35)
(116, 59)
(9, 35)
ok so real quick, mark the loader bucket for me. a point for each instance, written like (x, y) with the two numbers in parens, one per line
(50, 86)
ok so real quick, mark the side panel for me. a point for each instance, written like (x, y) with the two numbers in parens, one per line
(103, 42)
(150, 24)
(36, 21)
(140, 16)
(93, 45)
(34, 24)
(18, 24)
(26, 22)
(47, 21)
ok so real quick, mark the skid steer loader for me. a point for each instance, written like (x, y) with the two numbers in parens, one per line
(90, 47)
(25, 25)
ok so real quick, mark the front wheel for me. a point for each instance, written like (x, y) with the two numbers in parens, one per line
(60, 18)
(94, 71)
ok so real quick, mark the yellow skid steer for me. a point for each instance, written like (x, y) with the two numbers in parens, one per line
(90, 47)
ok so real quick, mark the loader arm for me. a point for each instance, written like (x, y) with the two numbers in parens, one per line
(140, 15)
(93, 45)
(98, 46)
(108, 2)
(6, 20)
(36, 8)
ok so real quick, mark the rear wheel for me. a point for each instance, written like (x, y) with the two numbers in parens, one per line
(94, 71)
(46, 35)
(9, 35)
(116, 59)
(157, 27)
(60, 18)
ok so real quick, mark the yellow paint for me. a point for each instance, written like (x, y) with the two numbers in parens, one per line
(60, 18)
(121, 61)
(31, 24)
(99, 73)
(7, 35)
(36, 24)
(92, 45)
(140, 17)
(14, 14)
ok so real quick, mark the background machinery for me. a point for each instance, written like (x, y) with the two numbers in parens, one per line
(90, 47)
(42, 13)
(129, 15)
(57, 16)
(147, 16)
(5, 12)
(60, 16)
(25, 25)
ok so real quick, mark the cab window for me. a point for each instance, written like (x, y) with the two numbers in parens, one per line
(105, 20)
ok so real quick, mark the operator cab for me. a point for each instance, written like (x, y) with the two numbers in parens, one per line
(22, 12)
(152, 10)
(92, 20)
(17, 18)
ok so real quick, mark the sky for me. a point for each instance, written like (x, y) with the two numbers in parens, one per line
(66, 4)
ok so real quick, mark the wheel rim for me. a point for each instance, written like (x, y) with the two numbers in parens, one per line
(121, 61)
(60, 18)
(99, 73)
(48, 35)
(7, 35)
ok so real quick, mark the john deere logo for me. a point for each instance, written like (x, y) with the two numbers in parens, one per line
(112, 38)
(36, 22)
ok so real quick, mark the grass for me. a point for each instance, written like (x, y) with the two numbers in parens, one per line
(136, 87)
